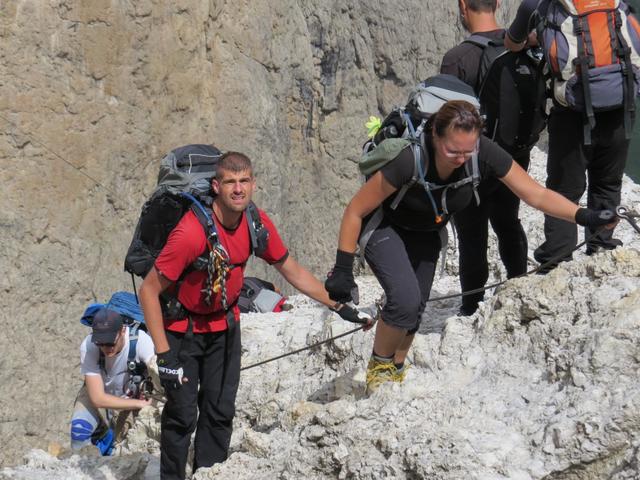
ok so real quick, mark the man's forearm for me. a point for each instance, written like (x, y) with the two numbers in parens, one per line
(304, 281)
(112, 402)
(150, 303)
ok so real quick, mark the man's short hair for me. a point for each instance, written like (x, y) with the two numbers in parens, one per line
(487, 6)
(235, 162)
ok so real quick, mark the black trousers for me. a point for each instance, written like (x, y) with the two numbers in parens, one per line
(498, 206)
(211, 361)
(571, 164)
(404, 262)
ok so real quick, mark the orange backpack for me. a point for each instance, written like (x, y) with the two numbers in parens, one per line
(591, 47)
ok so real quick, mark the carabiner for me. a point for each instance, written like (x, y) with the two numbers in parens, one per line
(626, 214)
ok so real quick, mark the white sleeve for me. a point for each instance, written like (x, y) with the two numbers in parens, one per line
(89, 357)
(145, 349)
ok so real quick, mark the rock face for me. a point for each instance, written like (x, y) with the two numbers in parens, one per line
(93, 93)
(541, 383)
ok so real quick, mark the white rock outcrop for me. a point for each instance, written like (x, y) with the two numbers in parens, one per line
(541, 383)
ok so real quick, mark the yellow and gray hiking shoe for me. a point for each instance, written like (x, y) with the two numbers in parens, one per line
(379, 372)
(401, 373)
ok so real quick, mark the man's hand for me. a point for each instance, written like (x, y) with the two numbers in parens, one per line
(596, 218)
(170, 371)
(353, 315)
(340, 283)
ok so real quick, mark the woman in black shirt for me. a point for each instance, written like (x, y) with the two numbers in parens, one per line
(403, 249)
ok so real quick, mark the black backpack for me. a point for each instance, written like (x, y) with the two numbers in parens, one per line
(184, 183)
(512, 91)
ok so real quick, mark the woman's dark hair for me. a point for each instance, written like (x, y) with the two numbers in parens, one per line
(456, 115)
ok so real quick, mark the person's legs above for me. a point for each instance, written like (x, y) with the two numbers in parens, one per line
(472, 229)
(504, 209)
(566, 166)
(180, 412)
(220, 376)
(605, 171)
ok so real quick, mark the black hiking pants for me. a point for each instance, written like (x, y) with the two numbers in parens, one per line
(498, 206)
(571, 164)
(211, 361)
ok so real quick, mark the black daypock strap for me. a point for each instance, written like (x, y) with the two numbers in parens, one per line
(485, 66)
(628, 82)
(583, 62)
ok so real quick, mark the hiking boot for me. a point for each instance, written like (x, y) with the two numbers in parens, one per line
(381, 372)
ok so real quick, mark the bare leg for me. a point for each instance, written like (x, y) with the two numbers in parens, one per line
(388, 339)
(403, 349)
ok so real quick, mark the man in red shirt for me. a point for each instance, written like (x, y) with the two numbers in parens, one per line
(199, 352)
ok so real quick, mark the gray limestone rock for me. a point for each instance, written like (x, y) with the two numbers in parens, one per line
(540, 384)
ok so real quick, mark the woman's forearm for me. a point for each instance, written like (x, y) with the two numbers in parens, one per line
(349, 230)
(556, 205)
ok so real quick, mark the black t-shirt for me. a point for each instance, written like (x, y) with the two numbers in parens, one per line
(415, 212)
(463, 61)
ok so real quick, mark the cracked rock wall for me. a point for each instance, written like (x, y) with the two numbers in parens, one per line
(94, 92)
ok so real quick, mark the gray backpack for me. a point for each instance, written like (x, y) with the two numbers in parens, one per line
(404, 128)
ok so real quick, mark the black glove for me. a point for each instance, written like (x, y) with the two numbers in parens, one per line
(340, 283)
(594, 218)
(352, 315)
(170, 371)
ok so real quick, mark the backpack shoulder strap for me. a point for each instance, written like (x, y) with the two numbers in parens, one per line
(475, 177)
(487, 58)
(133, 341)
(102, 362)
(479, 40)
(257, 233)
(205, 219)
(417, 175)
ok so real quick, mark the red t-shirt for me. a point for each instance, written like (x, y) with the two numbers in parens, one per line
(187, 242)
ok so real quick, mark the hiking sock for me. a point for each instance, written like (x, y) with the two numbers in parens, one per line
(380, 358)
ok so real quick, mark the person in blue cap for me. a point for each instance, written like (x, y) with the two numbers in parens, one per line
(104, 358)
